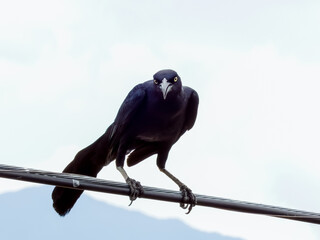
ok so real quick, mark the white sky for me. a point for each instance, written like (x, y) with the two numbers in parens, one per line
(66, 66)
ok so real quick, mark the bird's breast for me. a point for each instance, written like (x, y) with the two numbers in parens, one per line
(160, 120)
(159, 128)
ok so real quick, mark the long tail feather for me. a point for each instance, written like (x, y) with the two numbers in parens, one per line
(89, 161)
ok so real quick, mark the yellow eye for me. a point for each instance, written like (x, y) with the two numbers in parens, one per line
(155, 82)
(175, 79)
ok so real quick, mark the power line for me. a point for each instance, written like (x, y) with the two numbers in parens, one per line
(94, 184)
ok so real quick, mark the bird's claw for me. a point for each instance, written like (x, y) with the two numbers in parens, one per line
(189, 200)
(136, 190)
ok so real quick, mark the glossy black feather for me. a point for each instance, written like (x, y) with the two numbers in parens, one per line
(147, 123)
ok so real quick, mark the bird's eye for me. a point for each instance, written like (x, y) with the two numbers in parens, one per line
(155, 82)
(175, 79)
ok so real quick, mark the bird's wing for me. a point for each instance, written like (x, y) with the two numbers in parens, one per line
(132, 103)
(191, 110)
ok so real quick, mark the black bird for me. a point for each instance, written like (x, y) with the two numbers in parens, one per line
(154, 115)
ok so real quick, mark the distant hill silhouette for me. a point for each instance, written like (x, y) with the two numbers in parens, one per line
(27, 214)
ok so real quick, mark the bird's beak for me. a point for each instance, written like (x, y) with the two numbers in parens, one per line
(165, 87)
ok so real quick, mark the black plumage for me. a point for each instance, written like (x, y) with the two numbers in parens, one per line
(153, 116)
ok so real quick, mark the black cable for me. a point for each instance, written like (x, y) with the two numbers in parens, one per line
(94, 184)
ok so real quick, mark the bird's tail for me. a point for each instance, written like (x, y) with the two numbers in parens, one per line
(89, 161)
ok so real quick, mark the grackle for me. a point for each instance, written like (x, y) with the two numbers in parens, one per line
(153, 116)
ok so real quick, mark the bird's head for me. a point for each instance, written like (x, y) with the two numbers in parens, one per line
(167, 81)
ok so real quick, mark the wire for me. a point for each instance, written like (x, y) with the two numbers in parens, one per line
(99, 185)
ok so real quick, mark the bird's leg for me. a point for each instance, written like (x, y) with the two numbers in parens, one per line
(189, 200)
(136, 190)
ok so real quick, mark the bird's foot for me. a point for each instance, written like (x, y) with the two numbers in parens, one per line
(189, 200)
(136, 190)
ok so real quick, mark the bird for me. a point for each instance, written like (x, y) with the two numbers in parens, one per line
(151, 119)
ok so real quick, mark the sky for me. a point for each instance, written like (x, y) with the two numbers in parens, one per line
(66, 66)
